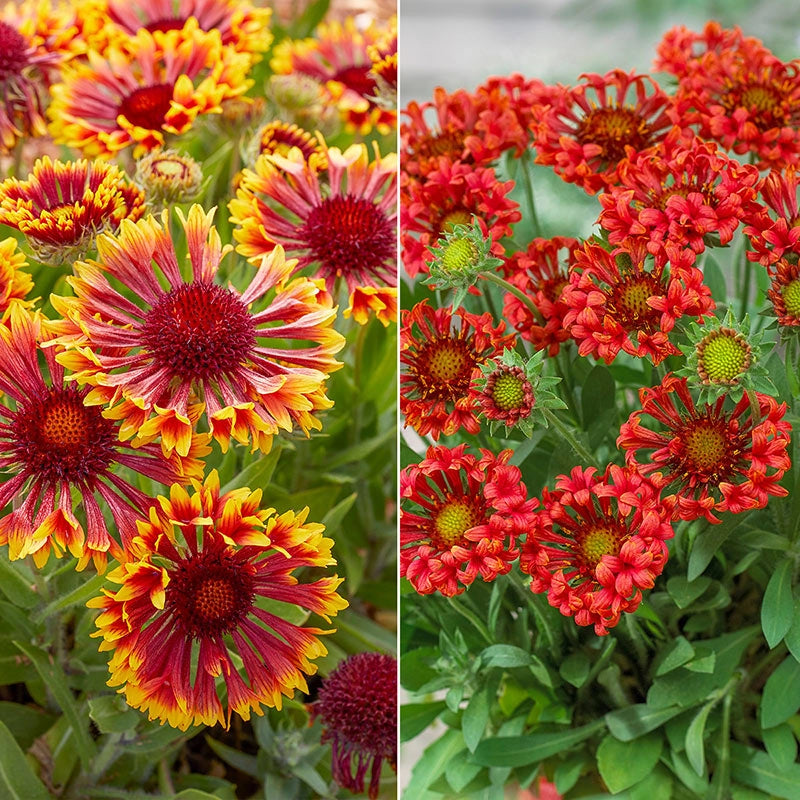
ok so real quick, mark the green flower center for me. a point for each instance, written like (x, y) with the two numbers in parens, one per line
(791, 298)
(598, 542)
(452, 521)
(706, 447)
(723, 356)
(508, 392)
(459, 255)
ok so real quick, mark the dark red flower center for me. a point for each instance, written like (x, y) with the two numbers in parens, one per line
(612, 129)
(628, 302)
(58, 438)
(351, 237)
(13, 56)
(166, 24)
(357, 79)
(209, 594)
(147, 107)
(199, 331)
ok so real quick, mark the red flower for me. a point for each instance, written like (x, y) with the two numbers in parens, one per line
(714, 460)
(506, 396)
(616, 301)
(596, 543)
(784, 292)
(541, 272)
(461, 517)
(357, 705)
(588, 129)
(438, 366)
(773, 235)
(674, 195)
(449, 195)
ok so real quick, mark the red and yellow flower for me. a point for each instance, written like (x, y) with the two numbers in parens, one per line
(773, 227)
(160, 349)
(713, 459)
(784, 292)
(143, 89)
(201, 584)
(596, 543)
(14, 282)
(461, 517)
(623, 300)
(59, 456)
(339, 222)
(438, 360)
(62, 206)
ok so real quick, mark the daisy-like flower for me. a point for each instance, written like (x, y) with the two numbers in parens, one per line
(203, 583)
(507, 395)
(713, 459)
(596, 543)
(159, 348)
(168, 177)
(15, 283)
(241, 26)
(338, 57)
(278, 138)
(626, 300)
(144, 88)
(438, 360)
(62, 206)
(461, 517)
(357, 706)
(784, 292)
(383, 56)
(542, 272)
(453, 194)
(773, 227)
(59, 457)
(589, 128)
(340, 222)
(677, 194)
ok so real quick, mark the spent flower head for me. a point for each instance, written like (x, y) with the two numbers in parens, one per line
(724, 358)
(512, 390)
(460, 255)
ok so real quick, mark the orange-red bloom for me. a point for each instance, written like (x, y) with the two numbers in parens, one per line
(713, 459)
(461, 517)
(588, 129)
(596, 543)
(438, 361)
(193, 588)
(784, 292)
(159, 348)
(774, 228)
(59, 455)
(623, 301)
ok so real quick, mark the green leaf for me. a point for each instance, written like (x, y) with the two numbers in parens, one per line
(757, 769)
(416, 717)
(304, 25)
(80, 594)
(17, 779)
(714, 277)
(707, 544)
(244, 762)
(56, 682)
(622, 764)
(333, 519)
(17, 584)
(460, 771)
(792, 638)
(194, 794)
(781, 745)
(256, 475)
(777, 608)
(598, 394)
(695, 741)
(675, 655)
(636, 720)
(26, 723)
(360, 451)
(112, 714)
(519, 751)
(574, 669)
(781, 696)
(567, 773)
(476, 715)
(684, 592)
(656, 786)
(433, 762)
(505, 655)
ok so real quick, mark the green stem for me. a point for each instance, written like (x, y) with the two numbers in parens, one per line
(518, 293)
(748, 273)
(473, 618)
(570, 437)
(527, 185)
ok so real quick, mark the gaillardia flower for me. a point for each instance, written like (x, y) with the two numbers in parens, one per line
(278, 138)
(144, 88)
(209, 578)
(626, 300)
(14, 283)
(345, 230)
(59, 457)
(437, 362)
(159, 348)
(713, 459)
(596, 543)
(167, 176)
(357, 705)
(784, 292)
(62, 206)
(460, 517)
(586, 130)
